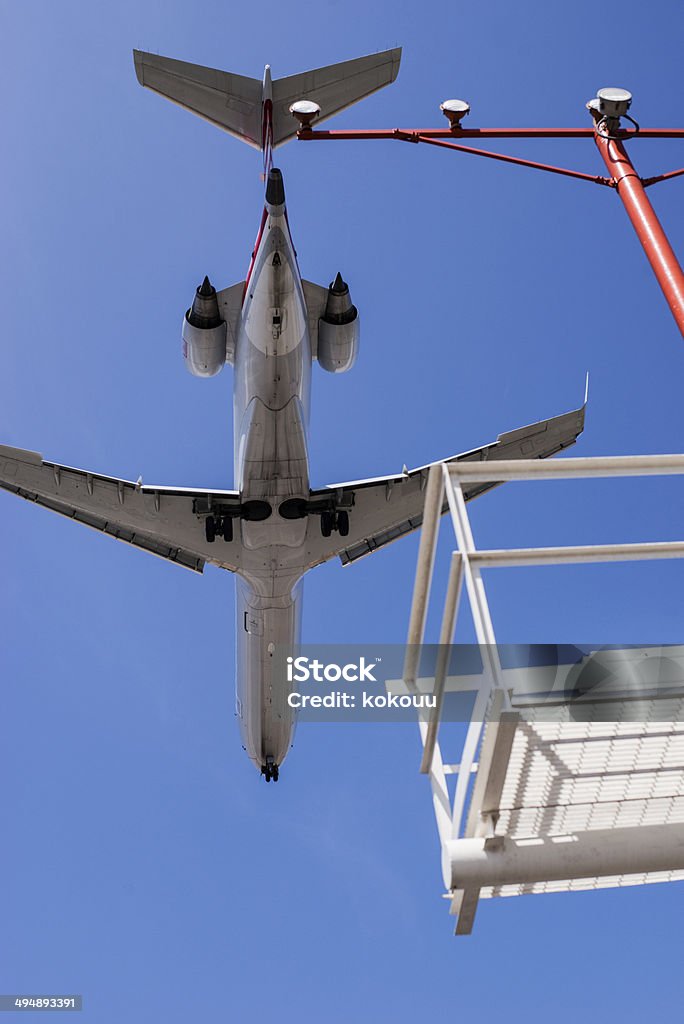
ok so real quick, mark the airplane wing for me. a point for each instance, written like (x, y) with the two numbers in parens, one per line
(166, 521)
(385, 508)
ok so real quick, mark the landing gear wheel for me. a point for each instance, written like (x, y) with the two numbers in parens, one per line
(210, 529)
(326, 523)
(343, 523)
(270, 771)
(227, 529)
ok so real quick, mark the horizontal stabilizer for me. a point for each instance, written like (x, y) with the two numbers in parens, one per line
(231, 102)
(237, 104)
(333, 88)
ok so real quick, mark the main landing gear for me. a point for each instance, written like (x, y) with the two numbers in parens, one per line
(270, 770)
(333, 517)
(218, 526)
(332, 520)
(219, 518)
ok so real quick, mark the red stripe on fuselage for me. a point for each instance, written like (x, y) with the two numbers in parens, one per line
(260, 235)
(267, 135)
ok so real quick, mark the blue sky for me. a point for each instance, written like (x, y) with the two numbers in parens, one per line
(144, 862)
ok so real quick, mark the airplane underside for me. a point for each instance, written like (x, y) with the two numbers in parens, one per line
(271, 327)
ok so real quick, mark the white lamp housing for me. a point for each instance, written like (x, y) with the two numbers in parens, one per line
(455, 111)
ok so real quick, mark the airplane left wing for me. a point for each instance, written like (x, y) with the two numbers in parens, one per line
(384, 508)
(166, 521)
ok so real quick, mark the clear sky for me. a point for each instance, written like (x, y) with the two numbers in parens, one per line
(143, 862)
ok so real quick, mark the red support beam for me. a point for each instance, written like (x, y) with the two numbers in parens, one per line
(646, 182)
(660, 255)
(309, 135)
(595, 178)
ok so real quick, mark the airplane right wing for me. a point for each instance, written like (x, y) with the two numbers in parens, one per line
(384, 508)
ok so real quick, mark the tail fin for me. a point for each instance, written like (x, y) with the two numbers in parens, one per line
(258, 112)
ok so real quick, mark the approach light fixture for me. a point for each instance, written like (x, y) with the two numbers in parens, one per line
(455, 111)
(306, 112)
(607, 108)
(613, 102)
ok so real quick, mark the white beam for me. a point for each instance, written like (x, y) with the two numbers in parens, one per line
(647, 551)
(469, 864)
(566, 469)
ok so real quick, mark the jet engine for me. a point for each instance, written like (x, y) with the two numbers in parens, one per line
(204, 333)
(338, 330)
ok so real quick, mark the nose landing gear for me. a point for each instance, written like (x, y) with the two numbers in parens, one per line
(270, 770)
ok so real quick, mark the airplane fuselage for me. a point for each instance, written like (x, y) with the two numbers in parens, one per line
(272, 380)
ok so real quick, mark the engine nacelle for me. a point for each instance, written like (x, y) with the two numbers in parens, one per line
(204, 333)
(338, 330)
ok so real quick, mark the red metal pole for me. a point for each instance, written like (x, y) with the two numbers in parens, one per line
(310, 134)
(647, 226)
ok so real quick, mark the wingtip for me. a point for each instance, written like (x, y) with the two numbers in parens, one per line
(138, 64)
(396, 62)
(586, 390)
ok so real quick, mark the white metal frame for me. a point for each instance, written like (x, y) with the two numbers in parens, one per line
(488, 759)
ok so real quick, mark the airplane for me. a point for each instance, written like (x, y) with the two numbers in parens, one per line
(273, 527)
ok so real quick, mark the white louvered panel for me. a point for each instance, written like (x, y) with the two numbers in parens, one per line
(610, 765)
(569, 818)
(622, 769)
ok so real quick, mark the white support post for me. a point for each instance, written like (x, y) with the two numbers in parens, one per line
(426, 559)
(453, 597)
(484, 630)
(434, 497)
